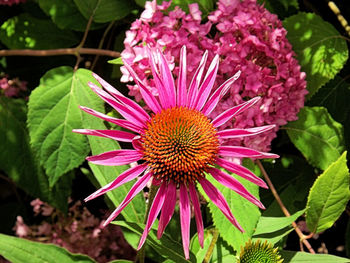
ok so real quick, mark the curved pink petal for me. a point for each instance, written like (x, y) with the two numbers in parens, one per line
(135, 189)
(168, 209)
(123, 178)
(219, 200)
(241, 171)
(181, 84)
(230, 113)
(114, 158)
(185, 219)
(218, 94)
(238, 133)
(244, 152)
(111, 134)
(137, 144)
(153, 213)
(208, 82)
(167, 80)
(193, 88)
(234, 185)
(147, 95)
(197, 213)
(122, 123)
(126, 112)
(130, 103)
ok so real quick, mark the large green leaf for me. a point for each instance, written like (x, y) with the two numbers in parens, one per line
(104, 10)
(17, 160)
(18, 250)
(328, 196)
(165, 246)
(322, 51)
(245, 212)
(25, 31)
(53, 114)
(303, 257)
(319, 138)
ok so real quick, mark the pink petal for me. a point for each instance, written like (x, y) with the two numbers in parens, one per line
(130, 103)
(208, 82)
(197, 213)
(181, 84)
(219, 200)
(238, 133)
(244, 152)
(118, 157)
(241, 171)
(122, 123)
(168, 209)
(153, 213)
(111, 134)
(135, 189)
(193, 89)
(147, 96)
(234, 185)
(168, 80)
(123, 178)
(127, 113)
(185, 219)
(218, 94)
(230, 113)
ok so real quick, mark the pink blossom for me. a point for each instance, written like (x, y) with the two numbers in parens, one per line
(11, 2)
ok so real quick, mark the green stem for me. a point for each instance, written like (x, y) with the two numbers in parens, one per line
(211, 246)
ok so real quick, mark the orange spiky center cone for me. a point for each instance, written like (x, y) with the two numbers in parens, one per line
(179, 144)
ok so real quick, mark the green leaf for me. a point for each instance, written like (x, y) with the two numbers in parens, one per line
(303, 257)
(245, 212)
(165, 246)
(18, 250)
(319, 138)
(322, 51)
(64, 13)
(116, 61)
(25, 31)
(17, 159)
(52, 115)
(328, 196)
(283, 8)
(104, 10)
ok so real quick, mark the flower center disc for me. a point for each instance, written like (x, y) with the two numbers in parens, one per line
(179, 144)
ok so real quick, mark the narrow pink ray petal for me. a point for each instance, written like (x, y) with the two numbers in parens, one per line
(136, 143)
(197, 213)
(243, 152)
(219, 200)
(123, 178)
(185, 219)
(162, 90)
(122, 123)
(168, 209)
(111, 134)
(167, 80)
(181, 84)
(118, 157)
(241, 171)
(234, 185)
(238, 133)
(135, 189)
(218, 94)
(193, 89)
(147, 96)
(130, 103)
(208, 82)
(153, 212)
(230, 113)
(127, 113)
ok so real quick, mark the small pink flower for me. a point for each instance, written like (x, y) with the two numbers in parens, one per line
(179, 143)
(11, 2)
(22, 230)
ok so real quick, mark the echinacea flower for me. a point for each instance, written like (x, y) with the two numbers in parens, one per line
(178, 144)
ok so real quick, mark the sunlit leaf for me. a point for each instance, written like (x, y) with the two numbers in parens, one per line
(303, 257)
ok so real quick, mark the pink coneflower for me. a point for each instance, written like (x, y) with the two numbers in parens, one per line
(178, 144)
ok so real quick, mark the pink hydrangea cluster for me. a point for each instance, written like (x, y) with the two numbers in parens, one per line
(11, 2)
(79, 232)
(247, 37)
(12, 87)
